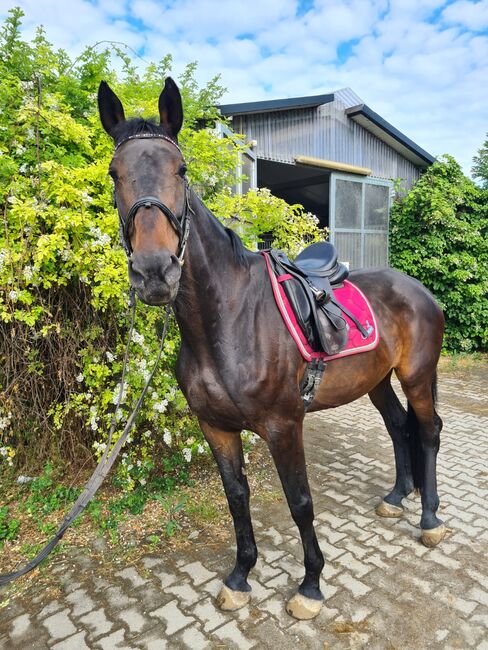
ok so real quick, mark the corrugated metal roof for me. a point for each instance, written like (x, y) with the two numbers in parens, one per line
(385, 131)
(248, 108)
(294, 120)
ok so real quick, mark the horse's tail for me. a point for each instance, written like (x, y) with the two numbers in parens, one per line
(417, 453)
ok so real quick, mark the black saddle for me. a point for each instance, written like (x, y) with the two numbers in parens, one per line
(314, 273)
(319, 260)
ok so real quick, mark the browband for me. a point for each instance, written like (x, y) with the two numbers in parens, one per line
(141, 136)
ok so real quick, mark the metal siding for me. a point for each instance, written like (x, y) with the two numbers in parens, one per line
(324, 132)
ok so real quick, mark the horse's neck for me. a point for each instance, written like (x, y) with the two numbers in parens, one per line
(214, 283)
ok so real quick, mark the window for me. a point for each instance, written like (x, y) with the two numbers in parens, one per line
(359, 215)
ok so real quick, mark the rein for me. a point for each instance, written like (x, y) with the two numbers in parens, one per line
(105, 463)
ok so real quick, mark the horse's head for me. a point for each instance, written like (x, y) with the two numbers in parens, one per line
(150, 191)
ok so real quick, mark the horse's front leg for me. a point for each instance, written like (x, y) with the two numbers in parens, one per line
(226, 447)
(286, 445)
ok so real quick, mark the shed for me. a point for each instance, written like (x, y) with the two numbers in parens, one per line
(335, 156)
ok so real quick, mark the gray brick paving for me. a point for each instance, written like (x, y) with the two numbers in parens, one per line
(383, 589)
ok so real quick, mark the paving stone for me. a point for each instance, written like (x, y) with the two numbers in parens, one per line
(197, 572)
(193, 639)
(96, 622)
(173, 617)
(80, 602)
(20, 626)
(131, 575)
(59, 625)
(208, 613)
(231, 633)
(75, 642)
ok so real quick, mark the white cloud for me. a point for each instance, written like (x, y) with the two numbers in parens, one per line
(472, 15)
(421, 64)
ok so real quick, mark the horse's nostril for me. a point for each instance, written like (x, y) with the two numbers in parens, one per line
(136, 275)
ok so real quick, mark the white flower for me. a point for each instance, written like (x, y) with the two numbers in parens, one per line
(200, 449)
(147, 434)
(160, 407)
(142, 481)
(137, 338)
(28, 272)
(13, 295)
(23, 168)
(115, 395)
(110, 356)
(80, 377)
(246, 459)
(187, 454)
(167, 437)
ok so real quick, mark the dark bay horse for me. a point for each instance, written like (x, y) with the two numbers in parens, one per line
(239, 367)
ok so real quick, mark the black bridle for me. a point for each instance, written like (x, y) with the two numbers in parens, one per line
(181, 225)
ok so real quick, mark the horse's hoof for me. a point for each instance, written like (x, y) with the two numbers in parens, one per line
(385, 509)
(303, 608)
(433, 536)
(229, 600)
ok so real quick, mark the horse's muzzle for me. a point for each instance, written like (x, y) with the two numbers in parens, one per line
(155, 276)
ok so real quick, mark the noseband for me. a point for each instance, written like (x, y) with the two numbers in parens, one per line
(181, 225)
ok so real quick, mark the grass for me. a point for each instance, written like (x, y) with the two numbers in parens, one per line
(118, 527)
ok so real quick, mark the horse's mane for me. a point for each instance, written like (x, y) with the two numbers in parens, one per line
(238, 248)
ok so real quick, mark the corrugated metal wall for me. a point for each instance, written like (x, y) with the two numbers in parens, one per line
(324, 132)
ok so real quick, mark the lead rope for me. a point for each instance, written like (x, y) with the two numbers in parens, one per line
(108, 457)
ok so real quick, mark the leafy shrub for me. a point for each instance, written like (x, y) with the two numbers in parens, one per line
(63, 276)
(439, 236)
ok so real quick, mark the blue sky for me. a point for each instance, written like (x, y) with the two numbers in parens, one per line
(420, 64)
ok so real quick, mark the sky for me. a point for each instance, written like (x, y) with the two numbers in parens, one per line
(421, 64)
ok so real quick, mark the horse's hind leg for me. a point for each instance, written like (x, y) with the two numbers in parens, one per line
(226, 447)
(395, 418)
(424, 427)
(286, 445)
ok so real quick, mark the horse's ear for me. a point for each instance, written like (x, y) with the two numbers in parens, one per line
(171, 108)
(109, 107)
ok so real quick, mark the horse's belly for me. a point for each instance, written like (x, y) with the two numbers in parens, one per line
(347, 379)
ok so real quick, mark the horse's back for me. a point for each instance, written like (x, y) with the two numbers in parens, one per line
(390, 291)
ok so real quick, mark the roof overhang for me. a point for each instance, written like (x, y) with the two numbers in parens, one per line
(386, 132)
(248, 108)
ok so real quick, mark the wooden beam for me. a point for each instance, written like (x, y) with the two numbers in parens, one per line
(333, 165)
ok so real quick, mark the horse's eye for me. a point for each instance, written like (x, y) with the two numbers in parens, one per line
(182, 171)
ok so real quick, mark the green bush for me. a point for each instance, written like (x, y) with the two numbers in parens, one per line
(439, 236)
(63, 276)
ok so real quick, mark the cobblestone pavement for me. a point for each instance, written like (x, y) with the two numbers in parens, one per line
(383, 589)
